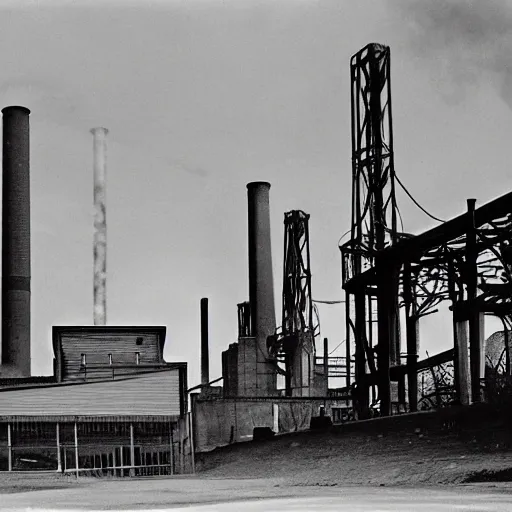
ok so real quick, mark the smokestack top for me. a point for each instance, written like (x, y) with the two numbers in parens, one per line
(9, 109)
(256, 184)
(99, 129)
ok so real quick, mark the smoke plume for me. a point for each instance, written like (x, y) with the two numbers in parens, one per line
(465, 42)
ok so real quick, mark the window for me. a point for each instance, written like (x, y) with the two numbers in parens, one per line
(137, 357)
(138, 341)
(82, 359)
(110, 359)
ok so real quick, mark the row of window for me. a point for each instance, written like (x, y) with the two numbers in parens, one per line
(83, 359)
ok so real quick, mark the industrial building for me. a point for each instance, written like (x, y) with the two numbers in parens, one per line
(251, 397)
(113, 405)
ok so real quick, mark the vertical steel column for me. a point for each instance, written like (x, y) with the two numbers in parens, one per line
(412, 333)
(100, 225)
(171, 454)
(16, 242)
(348, 331)
(9, 447)
(59, 458)
(205, 364)
(121, 461)
(132, 451)
(362, 389)
(386, 289)
(191, 442)
(76, 451)
(326, 363)
(474, 316)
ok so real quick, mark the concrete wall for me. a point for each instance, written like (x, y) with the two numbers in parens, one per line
(218, 422)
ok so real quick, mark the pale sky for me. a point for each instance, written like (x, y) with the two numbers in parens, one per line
(202, 97)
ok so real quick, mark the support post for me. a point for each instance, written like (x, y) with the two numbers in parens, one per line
(76, 450)
(475, 341)
(121, 461)
(348, 378)
(326, 365)
(59, 459)
(132, 451)
(361, 398)
(182, 446)
(191, 442)
(9, 447)
(171, 441)
(412, 333)
(461, 341)
(386, 290)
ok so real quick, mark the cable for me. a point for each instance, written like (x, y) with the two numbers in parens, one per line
(344, 235)
(416, 202)
(329, 301)
(337, 347)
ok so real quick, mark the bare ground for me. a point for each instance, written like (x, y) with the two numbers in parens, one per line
(451, 447)
(427, 449)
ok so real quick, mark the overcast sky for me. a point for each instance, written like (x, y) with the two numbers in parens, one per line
(202, 97)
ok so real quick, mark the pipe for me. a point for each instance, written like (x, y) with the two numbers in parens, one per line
(261, 283)
(16, 242)
(100, 225)
(205, 364)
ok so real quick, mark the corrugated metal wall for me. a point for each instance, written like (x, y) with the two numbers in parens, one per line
(149, 394)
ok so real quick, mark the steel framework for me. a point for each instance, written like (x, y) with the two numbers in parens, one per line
(297, 305)
(374, 209)
(466, 261)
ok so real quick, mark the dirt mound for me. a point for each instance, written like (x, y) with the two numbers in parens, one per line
(425, 448)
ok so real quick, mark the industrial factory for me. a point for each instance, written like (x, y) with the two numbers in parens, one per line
(114, 406)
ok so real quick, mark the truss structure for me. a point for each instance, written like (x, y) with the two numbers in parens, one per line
(466, 261)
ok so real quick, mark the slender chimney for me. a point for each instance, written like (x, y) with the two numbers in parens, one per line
(100, 225)
(16, 242)
(205, 364)
(261, 283)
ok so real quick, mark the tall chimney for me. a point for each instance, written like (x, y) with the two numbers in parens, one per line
(16, 242)
(261, 283)
(205, 364)
(100, 225)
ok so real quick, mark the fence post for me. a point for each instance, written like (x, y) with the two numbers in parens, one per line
(9, 446)
(59, 458)
(76, 450)
(191, 443)
(132, 451)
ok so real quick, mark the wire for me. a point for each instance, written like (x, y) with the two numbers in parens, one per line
(329, 301)
(344, 235)
(416, 202)
(337, 347)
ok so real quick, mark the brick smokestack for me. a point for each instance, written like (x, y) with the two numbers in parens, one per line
(261, 283)
(100, 225)
(205, 363)
(16, 243)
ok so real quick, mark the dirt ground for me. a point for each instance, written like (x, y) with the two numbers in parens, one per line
(418, 450)
(442, 451)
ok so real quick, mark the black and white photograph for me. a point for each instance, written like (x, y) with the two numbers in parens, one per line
(256, 255)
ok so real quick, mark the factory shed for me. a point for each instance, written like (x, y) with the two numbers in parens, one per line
(115, 407)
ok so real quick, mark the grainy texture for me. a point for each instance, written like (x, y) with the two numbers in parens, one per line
(152, 394)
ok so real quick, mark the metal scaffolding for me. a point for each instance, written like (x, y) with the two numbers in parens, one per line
(296, 336)
(466, 261)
